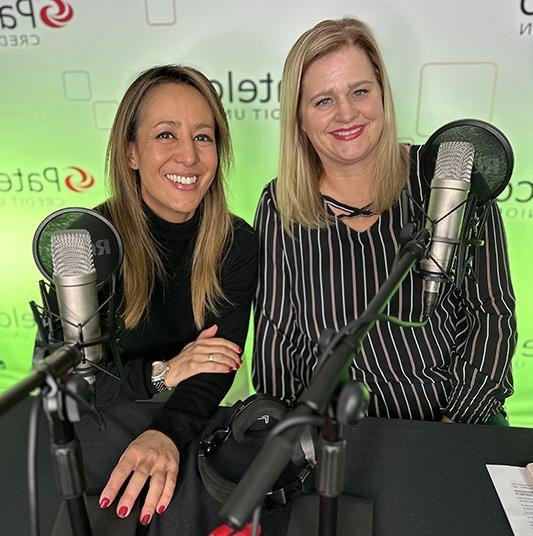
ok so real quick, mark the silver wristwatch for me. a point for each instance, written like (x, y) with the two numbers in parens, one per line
(159, 371)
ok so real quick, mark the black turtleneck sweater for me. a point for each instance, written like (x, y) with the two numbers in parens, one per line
(168, 326)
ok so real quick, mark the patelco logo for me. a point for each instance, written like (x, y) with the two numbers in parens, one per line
(49, 180)
(20, 15)
(79, 181)
(57, 14)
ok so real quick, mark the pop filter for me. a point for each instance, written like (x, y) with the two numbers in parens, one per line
(493, 155)
(106, 242)
(78, 251)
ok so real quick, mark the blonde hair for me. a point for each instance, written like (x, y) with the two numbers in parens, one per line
(300, 169)
(142, 263)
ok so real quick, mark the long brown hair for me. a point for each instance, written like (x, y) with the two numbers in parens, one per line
(142, 263)
(300, 168)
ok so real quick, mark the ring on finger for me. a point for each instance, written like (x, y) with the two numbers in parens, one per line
(210, 358)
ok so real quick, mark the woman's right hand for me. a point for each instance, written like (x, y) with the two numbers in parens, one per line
(206, 354)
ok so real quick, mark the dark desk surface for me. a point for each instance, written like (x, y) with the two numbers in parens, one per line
(425, 479)
(430, 478)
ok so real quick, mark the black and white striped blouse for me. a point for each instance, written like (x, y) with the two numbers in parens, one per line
(458, 365)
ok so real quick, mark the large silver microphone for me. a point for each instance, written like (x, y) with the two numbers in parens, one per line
(447, 201)
(74, 277)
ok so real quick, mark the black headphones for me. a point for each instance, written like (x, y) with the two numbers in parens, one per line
(230, 448)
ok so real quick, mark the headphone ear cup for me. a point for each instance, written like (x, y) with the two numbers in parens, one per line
(259, 412)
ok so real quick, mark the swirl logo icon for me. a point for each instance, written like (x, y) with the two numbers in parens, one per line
(80, 181)
(57, 14)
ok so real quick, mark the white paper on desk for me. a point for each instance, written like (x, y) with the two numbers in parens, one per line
(516, 495)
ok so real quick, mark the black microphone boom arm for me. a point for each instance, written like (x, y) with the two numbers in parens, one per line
(334, 363)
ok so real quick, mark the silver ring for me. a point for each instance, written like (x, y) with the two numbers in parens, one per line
(210, 358)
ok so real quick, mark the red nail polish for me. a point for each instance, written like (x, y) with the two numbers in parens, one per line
(104, 502)
(123, 511)
(146, 519)
(161, 509)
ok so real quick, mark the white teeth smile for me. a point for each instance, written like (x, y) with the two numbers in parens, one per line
(180, 179)
(348, 132)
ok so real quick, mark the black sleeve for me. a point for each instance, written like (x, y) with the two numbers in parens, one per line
(195, 400)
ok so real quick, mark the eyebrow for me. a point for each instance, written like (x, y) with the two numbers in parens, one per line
(330, 90)
(171, 123)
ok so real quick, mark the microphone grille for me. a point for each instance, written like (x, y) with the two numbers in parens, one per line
(454, 160)
(72, 252)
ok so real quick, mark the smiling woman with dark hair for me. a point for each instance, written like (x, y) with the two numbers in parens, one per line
(186, 285)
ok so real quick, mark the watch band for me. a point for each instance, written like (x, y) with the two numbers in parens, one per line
(159, 386)
(159, 371)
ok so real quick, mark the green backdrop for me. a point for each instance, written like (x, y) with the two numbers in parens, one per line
(65, 65)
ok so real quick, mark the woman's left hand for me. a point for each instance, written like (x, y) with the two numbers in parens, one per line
(154, 456)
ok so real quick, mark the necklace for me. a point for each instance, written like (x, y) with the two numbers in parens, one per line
(351, 212)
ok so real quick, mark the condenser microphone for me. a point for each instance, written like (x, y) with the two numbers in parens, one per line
(450, 188)
(479, 183)
(74, 277)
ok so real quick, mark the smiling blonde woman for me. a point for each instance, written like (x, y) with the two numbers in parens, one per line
(329, 230)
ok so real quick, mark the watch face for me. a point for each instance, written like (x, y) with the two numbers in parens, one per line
(158, 368)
